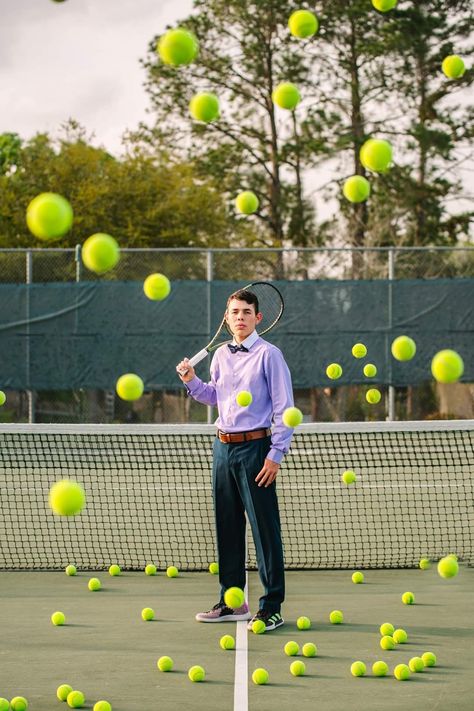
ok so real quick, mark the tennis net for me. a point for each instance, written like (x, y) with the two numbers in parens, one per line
(149, 495)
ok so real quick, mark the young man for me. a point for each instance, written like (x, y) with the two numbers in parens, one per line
(246, 457)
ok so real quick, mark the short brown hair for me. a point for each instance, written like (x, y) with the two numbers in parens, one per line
(244, 295)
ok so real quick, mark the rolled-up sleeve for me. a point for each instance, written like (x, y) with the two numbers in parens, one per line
(278, 378)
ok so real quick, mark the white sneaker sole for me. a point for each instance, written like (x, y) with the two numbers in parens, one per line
(225, 618)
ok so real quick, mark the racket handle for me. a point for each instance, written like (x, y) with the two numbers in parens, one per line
(195, 360)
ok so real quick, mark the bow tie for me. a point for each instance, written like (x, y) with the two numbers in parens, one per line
(234, 349)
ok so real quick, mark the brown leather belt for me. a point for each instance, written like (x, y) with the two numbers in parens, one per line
(236, 437)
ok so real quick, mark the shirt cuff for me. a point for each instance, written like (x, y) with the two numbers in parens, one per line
(192, 385)
(276, 455)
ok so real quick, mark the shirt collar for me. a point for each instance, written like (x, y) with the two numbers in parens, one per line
(249, 341)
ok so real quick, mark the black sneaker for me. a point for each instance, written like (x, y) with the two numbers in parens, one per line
(272, 620)
(222, 613)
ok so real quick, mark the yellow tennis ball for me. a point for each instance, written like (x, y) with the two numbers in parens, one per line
(359, 350)
(172, 571)
(94, 584)
(102, 706)
(453, 66)
(292, 417)
(4, 704)
(148, 614)
(196, 673)
(177, 47)
(164, 664)
(204, 107)
(387, 629)
(227, 642)
(291, 649)
(401, 672)
(67, 498)
(297, 668)
(336, 617)
(370, 370)
(408, 598)
(400, 636)
(63, 691)
(309, 649)
(18, 703)
(356, 189)
(379, 668)
(384, 5)
(357, 577)
(114, 570)
(150, 569)
(373, 396)
(303, 24)
(403, 348)
(425, 563)
(58, 619)
(448, 567)
(260, 676)
(49, 216)
(447, 366)
(214, 568)
(349, 476)
(75, 699)
(429, 659)
(334, 371)
(244, 398)
(286, 96)
(3, 398)
(303, 623)
(358, 668)
(234, 598)
(416, 664)
(258, 627)
(387, 642)
(247, 202)
(100, 253)
(156, 287)
(71, 570)
(376, 155)
(129, 387)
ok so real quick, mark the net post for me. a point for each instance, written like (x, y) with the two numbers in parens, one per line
(29, 281)
(209, 279)
(391, 276)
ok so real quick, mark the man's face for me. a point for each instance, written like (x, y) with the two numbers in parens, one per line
(242, 319)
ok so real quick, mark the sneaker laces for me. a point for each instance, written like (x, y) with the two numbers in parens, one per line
(263, 615)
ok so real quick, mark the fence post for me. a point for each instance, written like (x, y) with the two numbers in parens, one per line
(29, 281)
(209, 278)
(391, 277)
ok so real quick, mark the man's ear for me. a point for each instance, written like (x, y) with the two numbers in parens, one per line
(259, 317)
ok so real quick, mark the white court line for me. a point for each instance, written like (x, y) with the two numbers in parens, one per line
(241, 695)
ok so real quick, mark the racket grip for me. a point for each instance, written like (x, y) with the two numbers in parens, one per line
(198, 357)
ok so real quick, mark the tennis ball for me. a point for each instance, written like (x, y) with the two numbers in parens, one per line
(376, 155)
(260, 676)
(303, 623)
(357, 577)
(348, 477)
(429, 659)
(196, 673)
(384, 5)
(49, 216)
(58, 618)
(67, 498)
(4, 705)
(258, 627)
(244, 398)
(408, 598)
(286, 96)
(359, 350)
(387, 642)
(309, 649)
(148, 614)
(334, 371)
(3, 398)
(156, 287)
(358, 668)
(75, 699)
(370, 371)
(373, 396)
(177, 47)
(448, 567)
(416, 664)
(425, 563)
(214, 568)
(336, 617)
(400, 636)
(150, 569)
(247, 202)
(63, 691)
(387, 629)
(102, 706)
(356, 188)
(114, 570)
(401, 672)
(129, 387)
(297, 668)
(19, 703)
(164, 664)
(403, 348)
(234, 598)
(227, 642)
(303, 24)
(204, 107)
(292, 417)
(453, 66)
(379, 668)
(291, 649)
(172, 571)
(71, 570)
(100, 253)
(94, 584)
(447, 366)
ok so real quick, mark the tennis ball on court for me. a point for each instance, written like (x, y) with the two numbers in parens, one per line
(373, 396)
(379, 668)
(58, 618)
(447, 366)
(400, 636)
(309, 649)
(114, 570)
(258, 627)
(214, 568)
(63, 691)
(164, 664)
(94, 584)
(100, 253)
(71, 570)
(384, 5)
(348, 477)
(177, 47)
(172, 571)
(156, 287)
(291, 649)
(448, 567)
(67, 498)
(408, 598)
(401, 672)
(297, 668)
(286, 96)
(336, 617)
(292, 417)
(234, 598)
(303, 623)
(244, 398)
(387, 629)
(334, 371)
(359, 350)
(358, 668)
(49, 216)
(303, 24)
(357, 577)
(376, 155)
(370, 370)
(102, 706)
(425, 563)
(148, 614)
(247, 202)
(75, 699)
(227, 642)
(260, 676)
(416, 664)
(3, 398)
(387, 642)
(204, 107)
(356, 188)
(429, 659)
(150, 569)
(4, 705)
(129, 387)
(196, 673)
(403, 348)
(453, 66)
(18, 703)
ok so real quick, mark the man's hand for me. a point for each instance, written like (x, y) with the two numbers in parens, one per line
(185, 371)
(268, 473)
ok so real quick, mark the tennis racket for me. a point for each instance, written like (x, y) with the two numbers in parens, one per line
(270, 304)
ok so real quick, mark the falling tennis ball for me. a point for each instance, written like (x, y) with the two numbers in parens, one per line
(164, 664)
(71, 570)
(260, 676)
(94, 584)
(349, 476)
(100, 253)
(400, 636)
(286, 96)
(356, 189)
(148, 614)
(401, 672)
(204, 107)
(49, 216)
(156, 287)
(214, 568)
(247, 202)
(3, 398)
(129, 387)
(244, 398)
(150, 569)
(172, 571)
(425, 563)
(291, 649)
(447, 366)
(114, 570)
(102, 706)
(403, 348)
(177, 47)
(453, 66)
(387, 642)
(370, 370)
(357, 577)
(196, 673)
(58, 619)
(227, 642)
(234, 598)
(416, 664)
(67, 498)
(292, 417)
(429, 659)
(373, 396)
(18, 703)
(408, 598)
(75, 699)
(309, 649)
(303, 24)
(387, 629)
(376, 155)
(303, 623)
(384, 5)
(297, 668)
(359, 350)
(4, 705)
(448, 567)
(358, 668)
(336, 617)
(379, 668)
(334, 371)
(258, 627)
(63, 691)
